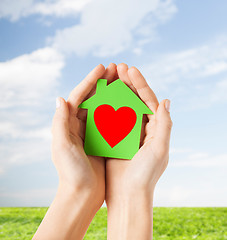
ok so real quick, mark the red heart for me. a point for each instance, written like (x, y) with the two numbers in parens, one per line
(113, 125)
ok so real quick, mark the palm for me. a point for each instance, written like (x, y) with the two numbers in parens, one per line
(120, 171)
(78, 124)
(82, 168)
(144, 168)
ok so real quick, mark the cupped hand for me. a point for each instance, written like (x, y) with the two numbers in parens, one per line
(76, 170)
(141, 173)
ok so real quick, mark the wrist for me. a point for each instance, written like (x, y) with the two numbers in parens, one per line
(130, 198)
(69, 208)
(125, 214)
(128, 191)
(86, 195)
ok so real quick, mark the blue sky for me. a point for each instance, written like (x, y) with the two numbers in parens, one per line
(48, 47)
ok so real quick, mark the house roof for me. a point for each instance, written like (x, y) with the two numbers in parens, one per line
(116, 94)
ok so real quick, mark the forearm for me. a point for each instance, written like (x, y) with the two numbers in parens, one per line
(68, 216)
(130, 217)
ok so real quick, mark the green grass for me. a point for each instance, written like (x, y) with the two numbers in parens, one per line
(169, 223)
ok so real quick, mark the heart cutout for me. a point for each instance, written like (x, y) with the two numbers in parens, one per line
(113, 125)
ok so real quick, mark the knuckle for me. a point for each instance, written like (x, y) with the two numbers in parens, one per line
(59, 119)
(163, 152)
(169, 124)
(166, 123)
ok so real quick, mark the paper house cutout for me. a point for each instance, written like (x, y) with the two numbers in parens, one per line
(114, 121)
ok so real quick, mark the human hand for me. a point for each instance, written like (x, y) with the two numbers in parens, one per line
(81, 189)
(148, 164)
(76, 170)
(130, 183)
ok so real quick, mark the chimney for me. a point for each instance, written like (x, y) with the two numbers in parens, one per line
(101, 84)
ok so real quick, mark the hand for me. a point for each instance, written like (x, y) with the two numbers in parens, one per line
(81, 189)
(76, 170)
(133, 181)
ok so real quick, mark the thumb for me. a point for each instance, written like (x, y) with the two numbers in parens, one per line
(164, 123)
(60, 125)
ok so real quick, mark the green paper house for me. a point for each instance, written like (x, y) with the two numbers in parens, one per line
(114, 121)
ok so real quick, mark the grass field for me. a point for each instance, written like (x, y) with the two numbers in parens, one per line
(169, 223)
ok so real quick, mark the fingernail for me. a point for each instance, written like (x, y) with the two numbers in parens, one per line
(58, 102)
(167, 105)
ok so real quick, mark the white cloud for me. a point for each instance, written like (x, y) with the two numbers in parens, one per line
(26, 79)
(203, 160)
(24, 140)
(11, 129)
(179, 150)
(188, 66)
(15, 9)
(60, 8)
(219, 92)
(172, 196)
(197, 159)
(107, 28)
(23, 151)
(27, 198)
(182, 195)
(193, 179)
(28, 89)
(195, 77)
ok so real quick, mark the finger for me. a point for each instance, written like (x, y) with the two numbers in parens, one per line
(82, 90)
(60, 125)
(81, 115)
(110, 73)
(82, 130)
(143, 89)
(142, 135)
(116, 76)
(164, 123)
(122, 70)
